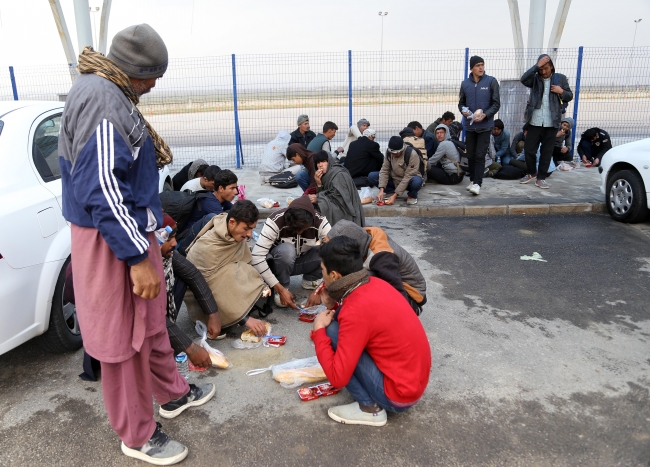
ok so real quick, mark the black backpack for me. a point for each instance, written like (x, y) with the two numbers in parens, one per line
(462, 153)
(179, 204)
(283, 180)
(407, 157)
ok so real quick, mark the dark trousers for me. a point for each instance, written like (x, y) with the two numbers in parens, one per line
(546, 137)
(191, 233)
(559, 156)
(590, 154)
(441, 176)
(477, 147)
(286, 263)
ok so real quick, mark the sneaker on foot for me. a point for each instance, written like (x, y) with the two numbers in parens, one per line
(475, 189)
(310, 285)
(527, 178)
(351, 414)
(471, 184)
(278, 301)
(541, 184)
(197, 395)
(411, 201)
(159, 450)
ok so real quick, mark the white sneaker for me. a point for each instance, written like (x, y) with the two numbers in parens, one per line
(310, 285)
(469, 187)
(277, 301)
(411, 201)
(351, 414)
(475, 189)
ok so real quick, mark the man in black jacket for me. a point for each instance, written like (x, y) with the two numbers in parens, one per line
(594, 143)
(549, 92)
(302, 135)
(363, 157)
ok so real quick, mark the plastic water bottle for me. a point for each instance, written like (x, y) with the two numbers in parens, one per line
(256, 236)
(181, 364)
(576, 159)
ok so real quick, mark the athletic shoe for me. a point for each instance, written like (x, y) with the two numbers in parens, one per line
(527, 178)
(351, 414)
(475, 189)
(411, 201)
(197, 395)
(310, 285)
(471, 184)
(220, 336)
(277, 301)
(159, 450)
(541, 184)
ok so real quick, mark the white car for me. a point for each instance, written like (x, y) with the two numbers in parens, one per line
(34, 237)
(625, 181)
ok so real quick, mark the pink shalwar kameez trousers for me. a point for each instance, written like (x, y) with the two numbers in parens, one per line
(110, 196)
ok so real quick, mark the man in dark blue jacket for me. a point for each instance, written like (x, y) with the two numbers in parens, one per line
(430, 141)
(549, 92)
(478, 101)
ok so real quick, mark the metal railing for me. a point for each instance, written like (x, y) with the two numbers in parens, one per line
(226, 109)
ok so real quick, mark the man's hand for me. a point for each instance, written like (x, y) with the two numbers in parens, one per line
(199, 356)
(328, 301)
(318, 175)
(214, 326)
(146, 281)
(256, 325)
(560, 133)
(467, 113)
(480, 118)
(323, 319)
(585, 160)
(564, 150)
(543, 61)
(286, 297)
(313, 199)
(340, 149)
(392, 199)
(313, 299)
(596, 161)
(380, 195)
(557, 89)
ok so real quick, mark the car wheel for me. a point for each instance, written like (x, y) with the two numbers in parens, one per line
(63, 333)
(626, 197)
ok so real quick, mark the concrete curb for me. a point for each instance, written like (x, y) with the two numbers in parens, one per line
(370, 210)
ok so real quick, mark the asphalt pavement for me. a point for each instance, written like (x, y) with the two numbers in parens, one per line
(534, 363)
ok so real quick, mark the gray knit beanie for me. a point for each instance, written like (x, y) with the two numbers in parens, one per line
(352, 230)
(139, 52)
(191, 172)
(302, 119)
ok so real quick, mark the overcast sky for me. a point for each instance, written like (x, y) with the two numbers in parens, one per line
(193, 28)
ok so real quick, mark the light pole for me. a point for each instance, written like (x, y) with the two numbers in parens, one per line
(381, 53)
(636, 25)
(629, 62)
(94, 10)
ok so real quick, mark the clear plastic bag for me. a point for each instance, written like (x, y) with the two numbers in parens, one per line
(295, 372)
(219, 360)
(366, 195)
(266, 202)
(242, 345)
(313, 310)
(565, 166)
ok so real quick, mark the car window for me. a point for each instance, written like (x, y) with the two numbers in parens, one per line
(45, 149)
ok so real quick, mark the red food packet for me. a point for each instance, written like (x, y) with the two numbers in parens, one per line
(306, 317)
(314, 392)
(276, 205)
(308, 394)
(277, 341)
(191, 367)
(380, 203)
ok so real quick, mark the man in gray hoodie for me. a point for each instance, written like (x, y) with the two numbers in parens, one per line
(444, 164)
(563, 151)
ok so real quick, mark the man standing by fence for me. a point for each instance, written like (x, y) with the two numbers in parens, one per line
(548, 92)
(478, 101)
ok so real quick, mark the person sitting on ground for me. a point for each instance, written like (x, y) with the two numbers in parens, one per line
(373, 344)
(305, 176)
(430, 143)
(520, 162)
(594, 143)
(322, 140)
(563, 151)
(396, 176)
(444, 164)
(518, 142)
(354, 133)
(363, 157)
(274, 160)
(220, 252)
(203, 182)
(225, 190)
(501, 142)
(337, 197)
(192, 170)
(290, 238)
(302, 135)
(446, 119)
(384, 258)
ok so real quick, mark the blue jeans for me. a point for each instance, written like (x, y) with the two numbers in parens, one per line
(367, 383)
(505, 159)
(412, 189)
(303, 180)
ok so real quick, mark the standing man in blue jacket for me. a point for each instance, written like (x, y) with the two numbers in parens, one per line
(109, 156)
(479, 95)
(549, 91)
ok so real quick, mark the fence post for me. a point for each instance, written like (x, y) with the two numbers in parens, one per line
(13, 82)
(576, 99)
(465, 76)
(350, 86)
(234, 97)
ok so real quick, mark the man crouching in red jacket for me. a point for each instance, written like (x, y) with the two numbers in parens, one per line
(373, 344)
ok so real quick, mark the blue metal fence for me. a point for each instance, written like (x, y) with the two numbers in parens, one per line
(225, 109)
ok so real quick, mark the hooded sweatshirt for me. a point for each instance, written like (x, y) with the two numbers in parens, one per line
(446, 153)
(566, 138)
(276, 231)
(274, 158)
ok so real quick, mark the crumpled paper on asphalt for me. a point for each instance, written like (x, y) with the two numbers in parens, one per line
(534, 257)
